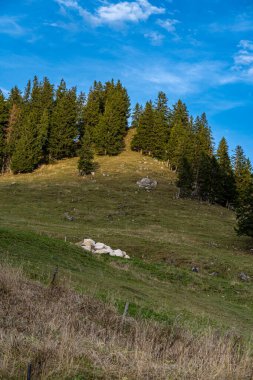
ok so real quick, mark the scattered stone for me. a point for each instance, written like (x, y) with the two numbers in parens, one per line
(101, 249)
(244, 277)
(214, 274)
(89, 242)
(87, 248)
(147, 183)
(195, 269)
(118, 253)
(68, 217)
(99, 246)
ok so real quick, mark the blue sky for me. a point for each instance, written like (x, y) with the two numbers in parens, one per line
(199, 51)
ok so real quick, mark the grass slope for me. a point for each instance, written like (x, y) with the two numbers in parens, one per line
(164, 236)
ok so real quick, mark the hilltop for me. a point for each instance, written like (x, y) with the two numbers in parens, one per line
(164, 236)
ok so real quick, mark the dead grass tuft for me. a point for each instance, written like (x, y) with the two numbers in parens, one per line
(64, 334)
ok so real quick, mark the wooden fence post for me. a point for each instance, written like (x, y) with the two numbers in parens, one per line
(29, 372)
(125, 311)
(54, 276)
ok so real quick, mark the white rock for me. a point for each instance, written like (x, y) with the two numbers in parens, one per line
(89, 242)
(99, 246)
(127, 257)
(112, 253)
(118, 253)
(101, 251)
(108, 249)
(87, 248)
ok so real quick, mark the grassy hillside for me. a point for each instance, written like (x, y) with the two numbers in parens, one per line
(164, 236)
(65, 335)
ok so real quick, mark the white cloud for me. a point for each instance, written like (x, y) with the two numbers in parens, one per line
(246, 44)
(184, 78)
(243, 59)
(169, 24)
(115, 14)
(155, 38)
(10, 26)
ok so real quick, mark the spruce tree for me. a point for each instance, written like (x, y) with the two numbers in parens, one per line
(3, 129)
(227, 181)
(112, 127)
(85, 163)
(137, 112)
(207, 186)
(63, 132)
(179, 114)
(181, 140)
(15, 106)
(146, 129)
(242, 171)
(24, 159)
(244, 211)
(94, 108)
(161, 126)
(185, 178)
(136, 115)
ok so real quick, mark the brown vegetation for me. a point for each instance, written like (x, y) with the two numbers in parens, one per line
(70, 336)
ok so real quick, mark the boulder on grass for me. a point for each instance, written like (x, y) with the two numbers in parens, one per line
(147, 183)
(118, 253)
(99, 246)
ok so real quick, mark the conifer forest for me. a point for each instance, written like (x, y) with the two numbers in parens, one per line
(43, 124)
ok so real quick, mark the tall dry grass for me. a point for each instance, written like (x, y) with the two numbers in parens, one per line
(65, 335)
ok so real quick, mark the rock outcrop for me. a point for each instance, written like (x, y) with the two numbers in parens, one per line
(102, 249)
(147, 183)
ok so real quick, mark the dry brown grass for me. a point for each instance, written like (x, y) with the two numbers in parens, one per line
(66, 335)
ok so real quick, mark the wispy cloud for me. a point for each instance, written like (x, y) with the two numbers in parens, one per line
(155, 38)
(114, 14)
(185, 78)
(9, 25)
(169, 24)
(242, 23)
(244, 56)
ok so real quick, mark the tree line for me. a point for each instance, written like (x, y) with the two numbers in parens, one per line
(172, 135)
(43, 124)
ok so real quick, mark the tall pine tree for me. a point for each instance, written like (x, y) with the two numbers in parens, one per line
(227, 181)
(63, 132)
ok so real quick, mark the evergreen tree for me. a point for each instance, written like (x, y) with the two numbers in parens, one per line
(63, 132)
(179, 114)
(85, 163)
(27, 93)
(185, 178)
(207, 186)
(161, 126)
(227, 181)
(146, 129)
(242, 171)
(181, 140)
(244, 211)
(179, 145)
(94, 108)
(3, 129)
(112, 127)
(24, 158)
(136, 115)
(15, 105)
(81, 101)
(137, 112)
